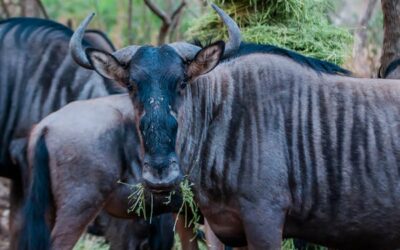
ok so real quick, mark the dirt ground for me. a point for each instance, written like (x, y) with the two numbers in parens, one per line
(4, 212)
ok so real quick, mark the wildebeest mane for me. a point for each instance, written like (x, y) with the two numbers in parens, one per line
(316, 64)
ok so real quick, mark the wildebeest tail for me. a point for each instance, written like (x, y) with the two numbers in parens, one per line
(35, 233)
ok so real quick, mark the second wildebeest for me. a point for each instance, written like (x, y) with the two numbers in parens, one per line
(38, 76)
(276, 144)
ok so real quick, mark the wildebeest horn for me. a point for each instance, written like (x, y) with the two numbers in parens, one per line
(185, 50)
(188, 51)
(75, 44)
(235, 38)
(123, 55)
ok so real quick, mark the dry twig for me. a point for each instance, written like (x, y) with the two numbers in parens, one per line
(169, 23)
(42, 8)
(5, 8)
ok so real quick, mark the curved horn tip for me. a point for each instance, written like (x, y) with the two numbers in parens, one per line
(215, 7)
(235, 37)
(219, 11)
(87, 20)
(75, 44)
(226, 18)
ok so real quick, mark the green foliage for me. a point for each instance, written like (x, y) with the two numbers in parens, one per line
(76, 10)
(112, 18)
(178, 246)
(88, 242)
(188, 202)
(289, 245)
(137, 200)
(300, 25)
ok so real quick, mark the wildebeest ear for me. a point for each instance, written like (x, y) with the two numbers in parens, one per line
(205, 60)
(107, 65)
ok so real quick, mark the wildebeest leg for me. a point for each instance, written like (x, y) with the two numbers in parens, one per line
(16, 198)
(263, 225)
(18, 155)
(72, 219)
(213, 242)
(79, 199)
(186, 234)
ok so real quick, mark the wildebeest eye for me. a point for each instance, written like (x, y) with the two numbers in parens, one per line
(183, 85)
(184, 82)
(130, 85)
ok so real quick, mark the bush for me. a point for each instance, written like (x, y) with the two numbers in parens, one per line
(300, 25)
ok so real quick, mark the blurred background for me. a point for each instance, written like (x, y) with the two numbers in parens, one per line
(329, 30)
(345, 32)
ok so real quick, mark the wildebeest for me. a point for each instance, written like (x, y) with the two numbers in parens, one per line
(276, 144)
(81, 178)
(38, 76)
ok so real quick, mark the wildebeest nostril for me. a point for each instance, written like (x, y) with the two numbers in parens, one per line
(156, 185)
(162, 179)
(173, 166)
(173, 159)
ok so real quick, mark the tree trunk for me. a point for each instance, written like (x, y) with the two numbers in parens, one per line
(391, 39)
(5, 9)
(29, 8)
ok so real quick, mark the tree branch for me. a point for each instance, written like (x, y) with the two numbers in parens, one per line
(160, 13)
(167, 21)
(360, 50)
(176, 18)
(362, 32)
(178, 10)
(4, 6)
(42, 8)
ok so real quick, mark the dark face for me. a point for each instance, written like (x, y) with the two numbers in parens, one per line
(155, 77)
